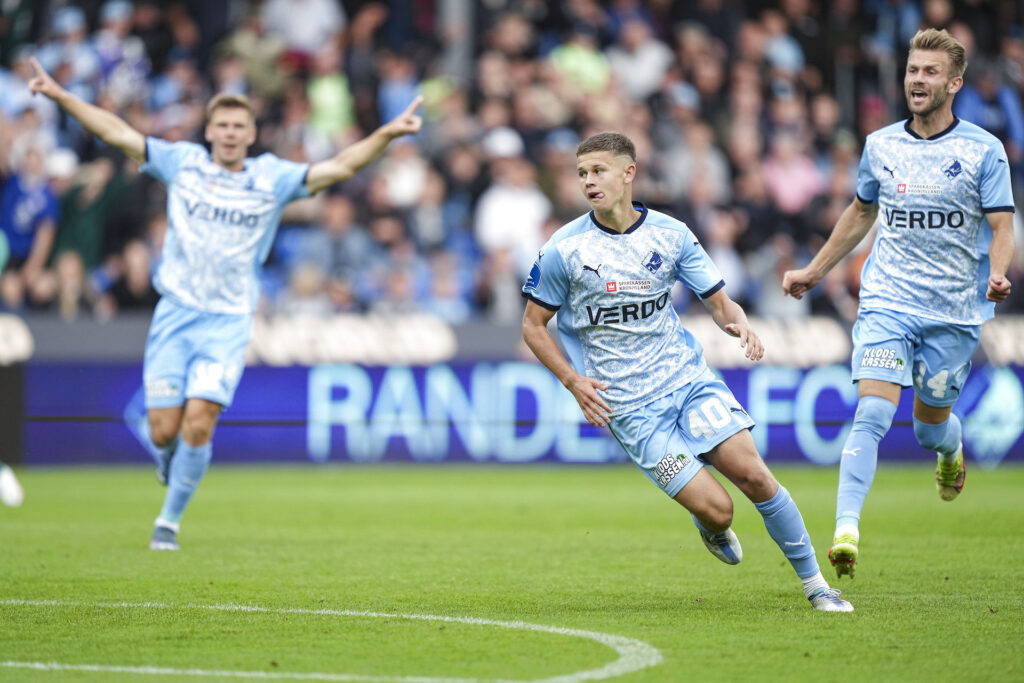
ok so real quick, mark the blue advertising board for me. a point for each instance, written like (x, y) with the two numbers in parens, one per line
(487, 412)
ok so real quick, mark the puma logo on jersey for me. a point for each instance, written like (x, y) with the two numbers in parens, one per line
(593, 270)
(851, 451)
(890, 171)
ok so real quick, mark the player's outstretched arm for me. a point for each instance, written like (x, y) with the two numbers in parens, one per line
(850, 229)
(108, 127)
(348, 161)
(583, 389)
(729, 316)
(1000, 253)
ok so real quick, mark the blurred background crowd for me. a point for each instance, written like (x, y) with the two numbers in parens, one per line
(748, 117)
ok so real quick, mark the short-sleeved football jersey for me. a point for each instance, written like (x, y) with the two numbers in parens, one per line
(221, 224)
(613, 295)
(930, 257)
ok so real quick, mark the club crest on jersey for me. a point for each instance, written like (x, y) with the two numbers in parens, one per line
(652, 261)
(952, 168)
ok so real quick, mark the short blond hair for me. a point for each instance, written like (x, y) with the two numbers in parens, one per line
(941, 41)
(226, 100)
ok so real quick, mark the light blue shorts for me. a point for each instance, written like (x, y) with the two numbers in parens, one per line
(668, 437)
(194, 354)
(932, 356)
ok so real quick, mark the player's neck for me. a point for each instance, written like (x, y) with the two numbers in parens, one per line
(620, 217)
(932, 124)
(233, 168)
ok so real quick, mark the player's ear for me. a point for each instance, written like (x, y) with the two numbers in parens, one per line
(629, 173)
(955, 84)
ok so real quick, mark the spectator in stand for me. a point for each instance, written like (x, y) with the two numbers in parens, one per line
(180, 82)
(69, 55)
(793, 180)
(15, 98)
(133, 290)
(511, 212)
(579, 63)
(304, 26)
(639, 61)
(306, 294)
(85, 212)
(29, 211)
(332, 112)
(123, 63)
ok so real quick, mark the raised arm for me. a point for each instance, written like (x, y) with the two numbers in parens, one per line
(1000, 254)
(348, 161)
(583, 389)
(108, 127)
(850, 229)
(729, 316)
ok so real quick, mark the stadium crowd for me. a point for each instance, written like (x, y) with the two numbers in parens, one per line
(749, 118)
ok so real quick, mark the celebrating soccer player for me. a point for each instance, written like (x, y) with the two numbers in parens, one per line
(634, 368)
(940, 188)
(223, 210)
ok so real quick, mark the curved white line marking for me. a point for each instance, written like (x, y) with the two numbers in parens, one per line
(634, 655)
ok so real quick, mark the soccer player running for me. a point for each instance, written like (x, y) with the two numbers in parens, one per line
(223, 210)
(941, 189)
(635, 369)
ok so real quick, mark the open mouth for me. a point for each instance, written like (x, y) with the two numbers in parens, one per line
(595, 195)
(918, 96)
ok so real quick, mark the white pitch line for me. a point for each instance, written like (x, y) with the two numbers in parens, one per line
(634, 655)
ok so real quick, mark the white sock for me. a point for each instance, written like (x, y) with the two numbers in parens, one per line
(848, 529)
(812, 584)
(173, 526)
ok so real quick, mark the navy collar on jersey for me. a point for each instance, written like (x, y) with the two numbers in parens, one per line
(639, 221)
(906, 127)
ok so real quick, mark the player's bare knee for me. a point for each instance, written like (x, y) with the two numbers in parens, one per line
(716, 514)
(197, 430)
(756, 483)
(162, 431)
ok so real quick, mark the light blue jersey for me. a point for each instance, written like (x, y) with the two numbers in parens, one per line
(220, 224)
(613, 295)
(930, 257)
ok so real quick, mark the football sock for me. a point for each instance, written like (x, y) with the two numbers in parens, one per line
(860, 457)
(814, 583)
(187, 469)
(786, 527)
(944, 438)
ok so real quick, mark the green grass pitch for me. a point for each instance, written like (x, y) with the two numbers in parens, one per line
(342, 557)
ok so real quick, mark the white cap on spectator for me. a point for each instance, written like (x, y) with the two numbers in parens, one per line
(684, 95)
(68, 19)
(116, 10)
(61, 163)
(502, 142)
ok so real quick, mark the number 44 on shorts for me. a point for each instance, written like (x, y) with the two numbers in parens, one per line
(938, 383)
(708, 418)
